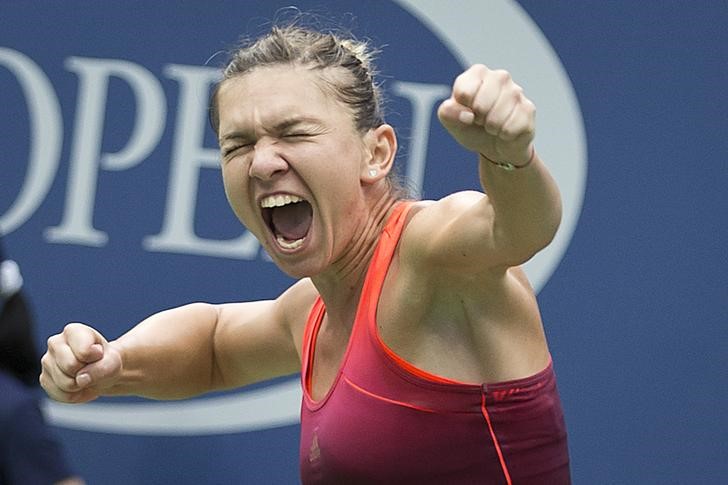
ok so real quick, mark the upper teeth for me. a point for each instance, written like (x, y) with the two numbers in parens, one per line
(279, 200)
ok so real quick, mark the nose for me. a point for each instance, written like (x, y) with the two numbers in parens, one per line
(267, 163)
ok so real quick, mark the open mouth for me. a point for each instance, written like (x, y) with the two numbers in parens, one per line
(289, 219)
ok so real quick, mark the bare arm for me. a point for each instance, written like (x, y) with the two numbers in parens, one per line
(178, 353)
(199, 348)
(489, 115)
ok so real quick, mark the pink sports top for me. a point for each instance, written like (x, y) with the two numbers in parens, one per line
(386, 421)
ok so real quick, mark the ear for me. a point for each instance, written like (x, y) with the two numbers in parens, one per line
(381, 148)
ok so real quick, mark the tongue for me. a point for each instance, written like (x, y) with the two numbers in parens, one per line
(292, 221)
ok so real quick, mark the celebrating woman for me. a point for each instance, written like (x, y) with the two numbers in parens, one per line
(418, 337)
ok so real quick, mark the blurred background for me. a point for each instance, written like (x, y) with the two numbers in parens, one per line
(111, 204)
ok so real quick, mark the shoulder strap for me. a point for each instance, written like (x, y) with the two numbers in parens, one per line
(382, 258)
(376, 273)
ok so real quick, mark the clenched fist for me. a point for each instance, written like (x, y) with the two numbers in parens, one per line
(488, 113)
(79, 364)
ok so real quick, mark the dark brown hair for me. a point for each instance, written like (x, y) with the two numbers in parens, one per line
(345, 65)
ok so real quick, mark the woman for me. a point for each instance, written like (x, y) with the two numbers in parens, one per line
(419, 341)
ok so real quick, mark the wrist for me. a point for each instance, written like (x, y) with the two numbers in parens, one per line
(508, 166)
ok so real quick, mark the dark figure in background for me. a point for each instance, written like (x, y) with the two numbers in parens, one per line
(29, 453)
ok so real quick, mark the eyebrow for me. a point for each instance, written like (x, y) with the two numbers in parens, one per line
(291, 122)
(279, 127)
(234, 135)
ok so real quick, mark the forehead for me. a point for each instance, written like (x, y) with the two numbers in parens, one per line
(268, 94)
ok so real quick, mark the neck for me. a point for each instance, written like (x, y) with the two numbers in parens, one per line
(340, 287)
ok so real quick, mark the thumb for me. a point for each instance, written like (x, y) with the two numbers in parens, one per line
(93, 353)
(103, 372)
(453, 114)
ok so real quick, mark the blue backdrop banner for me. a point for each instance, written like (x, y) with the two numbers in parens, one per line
(112, 203)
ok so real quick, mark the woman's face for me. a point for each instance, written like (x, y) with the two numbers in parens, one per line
(291, 163)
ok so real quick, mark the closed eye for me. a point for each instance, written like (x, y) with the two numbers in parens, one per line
(229, 150)
(298, 136)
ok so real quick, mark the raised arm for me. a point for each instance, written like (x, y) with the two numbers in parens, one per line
(178, 353)
(488, 114)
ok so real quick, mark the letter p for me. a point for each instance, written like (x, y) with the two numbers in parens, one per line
(86, 157)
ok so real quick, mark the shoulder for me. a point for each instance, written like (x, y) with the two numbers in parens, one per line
(427, 216)
(296, 302)
(452, 232)
(301, 294)
(452, 203)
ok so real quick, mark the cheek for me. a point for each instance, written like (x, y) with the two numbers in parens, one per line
(235, 190)
(342, 166)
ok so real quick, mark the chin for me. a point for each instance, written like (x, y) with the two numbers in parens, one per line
(300, 269)
(297, 270)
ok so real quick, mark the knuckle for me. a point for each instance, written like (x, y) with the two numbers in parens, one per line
(481, 105)
(69, 367)
(502, 76)
(510, 132)
(45, 361)
(52, 341)
(53, 391)
(73, 328)
(461, 94)
(478, 69)
(517, 95)
(64, 361)
(58, 386)
(491, 128)
(66, 384)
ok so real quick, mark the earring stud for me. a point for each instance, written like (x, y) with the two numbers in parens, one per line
(372, 172)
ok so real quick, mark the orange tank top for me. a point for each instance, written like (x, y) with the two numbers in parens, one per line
(386, 421)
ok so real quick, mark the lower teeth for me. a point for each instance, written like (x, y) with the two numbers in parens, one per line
(286, 244)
